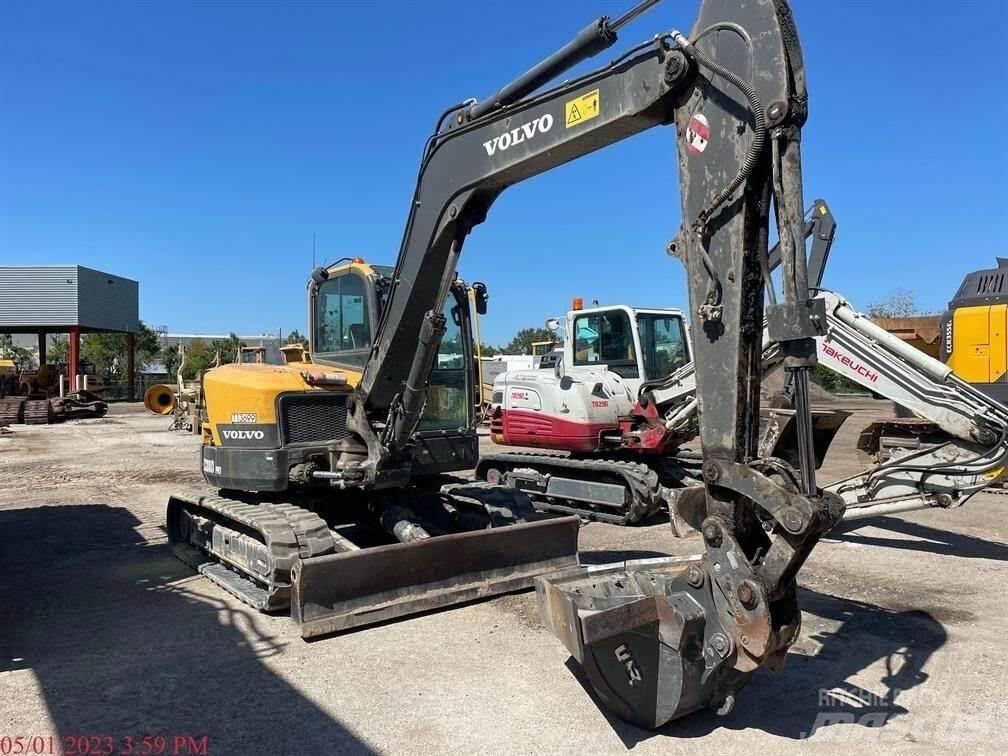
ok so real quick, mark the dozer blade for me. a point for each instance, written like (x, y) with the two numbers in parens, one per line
(340, 591)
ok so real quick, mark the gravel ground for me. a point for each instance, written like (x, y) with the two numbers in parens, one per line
(104, 634)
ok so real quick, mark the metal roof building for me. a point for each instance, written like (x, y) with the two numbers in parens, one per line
(69, 299)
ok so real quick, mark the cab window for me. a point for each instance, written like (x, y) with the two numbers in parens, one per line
(605, 338)
(342, 323)
(448, 394)
(663, 343)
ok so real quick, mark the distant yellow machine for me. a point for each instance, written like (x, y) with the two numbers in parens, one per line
(975, 331)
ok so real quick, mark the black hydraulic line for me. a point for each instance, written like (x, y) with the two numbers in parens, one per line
(437, 128)
(759, 128)
(590, 41)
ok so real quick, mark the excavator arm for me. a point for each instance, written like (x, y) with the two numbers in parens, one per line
(658, 640)
(957, 445)
(480, 149)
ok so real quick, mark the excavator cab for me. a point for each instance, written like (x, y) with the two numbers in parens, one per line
(345, 310)
(637, 344)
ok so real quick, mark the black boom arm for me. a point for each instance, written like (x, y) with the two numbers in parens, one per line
(471, 163)
(725, 128)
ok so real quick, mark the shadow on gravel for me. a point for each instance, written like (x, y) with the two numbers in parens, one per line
(811, 693)
(922, 538)
(120, 649)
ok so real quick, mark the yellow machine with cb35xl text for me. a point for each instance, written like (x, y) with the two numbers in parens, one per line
(974, 331)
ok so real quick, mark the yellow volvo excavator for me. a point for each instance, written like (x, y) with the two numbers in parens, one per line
(975, 330)
(266, 448)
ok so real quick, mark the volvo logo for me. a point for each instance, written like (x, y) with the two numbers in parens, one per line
(540, 125)
(237, 435)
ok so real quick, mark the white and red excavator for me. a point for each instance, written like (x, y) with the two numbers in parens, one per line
(620, 402)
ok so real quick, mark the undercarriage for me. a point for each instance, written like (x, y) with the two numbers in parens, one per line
(354, 559)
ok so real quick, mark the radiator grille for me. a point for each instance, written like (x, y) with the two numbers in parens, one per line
(310, 418)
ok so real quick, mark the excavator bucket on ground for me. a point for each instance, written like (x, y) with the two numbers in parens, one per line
(362, 587)
(647, 633)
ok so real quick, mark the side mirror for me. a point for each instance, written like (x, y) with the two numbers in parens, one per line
(481, 296)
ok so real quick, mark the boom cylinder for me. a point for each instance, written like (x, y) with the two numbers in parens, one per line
(590, 41)
(414, 394)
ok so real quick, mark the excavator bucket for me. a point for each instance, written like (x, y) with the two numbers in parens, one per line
(646, 633)
(340, 591)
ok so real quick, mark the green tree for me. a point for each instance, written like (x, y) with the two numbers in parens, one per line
(898, 303)
(59, 350)
(107, 351)
(489, 351)
(146, 344)
(198, 357)
(227, 348)
(21, 356)
(295, 337)
(523, 340)
(170, 358)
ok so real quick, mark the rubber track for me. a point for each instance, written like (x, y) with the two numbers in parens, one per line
(12, 409)
(289, 533)
(501, 505)
(642, 483)
(37, 412)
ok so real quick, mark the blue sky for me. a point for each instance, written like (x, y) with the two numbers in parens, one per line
(214, 138)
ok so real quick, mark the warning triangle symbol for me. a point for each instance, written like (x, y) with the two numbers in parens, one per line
(574, 115)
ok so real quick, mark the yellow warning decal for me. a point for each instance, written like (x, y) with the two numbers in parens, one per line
(996, 473)
(581, 109)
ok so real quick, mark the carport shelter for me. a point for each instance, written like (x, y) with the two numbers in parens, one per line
(71, 299)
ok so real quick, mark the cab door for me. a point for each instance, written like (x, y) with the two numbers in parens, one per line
(451, 387)
(446, 439)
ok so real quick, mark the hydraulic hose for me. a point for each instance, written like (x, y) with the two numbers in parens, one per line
(759, 133)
